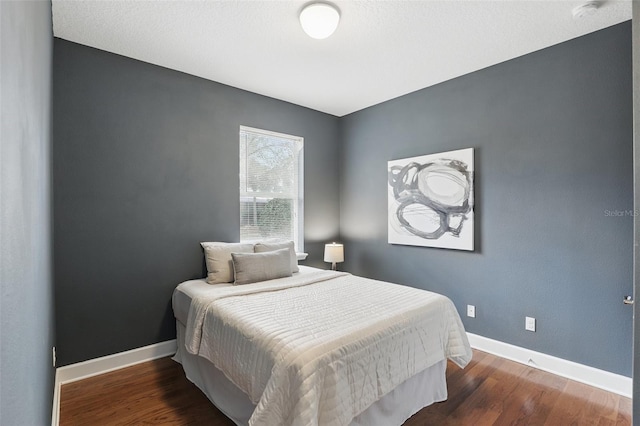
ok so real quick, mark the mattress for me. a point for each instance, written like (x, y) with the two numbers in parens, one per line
(318, 347)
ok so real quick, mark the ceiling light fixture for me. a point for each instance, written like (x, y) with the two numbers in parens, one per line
(319, 20)
(586, 9)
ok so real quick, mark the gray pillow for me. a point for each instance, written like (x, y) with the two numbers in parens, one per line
(254, 267)
(218, 259)
(266, 246)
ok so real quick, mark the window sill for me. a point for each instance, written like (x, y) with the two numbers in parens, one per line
(302, 256)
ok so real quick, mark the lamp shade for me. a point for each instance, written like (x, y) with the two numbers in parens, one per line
(334, 253)
(319, 20)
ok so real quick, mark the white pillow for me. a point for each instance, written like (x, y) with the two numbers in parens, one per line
(271, 245)
(218, 258)
(255, 267)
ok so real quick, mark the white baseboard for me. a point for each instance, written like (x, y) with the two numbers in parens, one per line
(105, 364)
(610, 382)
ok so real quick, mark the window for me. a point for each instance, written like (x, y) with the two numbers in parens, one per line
(271, 186)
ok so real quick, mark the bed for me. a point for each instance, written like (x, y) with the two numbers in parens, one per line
(317, 348)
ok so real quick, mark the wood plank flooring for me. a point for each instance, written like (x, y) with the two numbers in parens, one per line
(490, 391)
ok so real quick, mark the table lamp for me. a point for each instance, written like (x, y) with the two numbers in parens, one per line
(333, 253)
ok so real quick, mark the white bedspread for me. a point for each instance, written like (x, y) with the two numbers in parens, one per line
(321, 347)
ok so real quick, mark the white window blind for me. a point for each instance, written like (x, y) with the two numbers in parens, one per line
(271, 186)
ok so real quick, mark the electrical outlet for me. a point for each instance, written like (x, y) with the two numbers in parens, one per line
(530, 324)
(471, 311)
(53, 355)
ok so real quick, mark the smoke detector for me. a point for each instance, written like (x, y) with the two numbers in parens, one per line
(585, 9)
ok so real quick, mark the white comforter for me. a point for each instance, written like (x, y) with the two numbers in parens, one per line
(321, 347)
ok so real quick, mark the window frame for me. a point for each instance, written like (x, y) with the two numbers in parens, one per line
(298, 210)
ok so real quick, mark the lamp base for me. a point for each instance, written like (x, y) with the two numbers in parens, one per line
(333, 266)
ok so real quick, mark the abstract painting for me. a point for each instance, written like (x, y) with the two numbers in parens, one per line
(431, 200)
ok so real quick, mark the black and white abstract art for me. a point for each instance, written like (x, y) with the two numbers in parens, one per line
(431, 200)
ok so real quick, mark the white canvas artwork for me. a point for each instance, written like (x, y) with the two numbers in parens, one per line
(431, 200)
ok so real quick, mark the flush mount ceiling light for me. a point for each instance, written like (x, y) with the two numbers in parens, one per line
(319, 20)
(586, 9)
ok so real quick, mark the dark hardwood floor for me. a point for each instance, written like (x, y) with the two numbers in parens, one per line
(490, 391)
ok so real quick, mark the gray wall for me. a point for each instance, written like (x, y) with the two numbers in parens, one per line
(26, 284)
(146, 167)
(636, 203)
(552, 133)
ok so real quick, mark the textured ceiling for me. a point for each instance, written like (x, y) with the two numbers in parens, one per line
(381, 49)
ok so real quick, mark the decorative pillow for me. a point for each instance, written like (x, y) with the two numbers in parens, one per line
(254, 267)
(218, 259)
(266, 246)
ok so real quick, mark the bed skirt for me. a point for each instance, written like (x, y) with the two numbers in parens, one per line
(394, 408)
